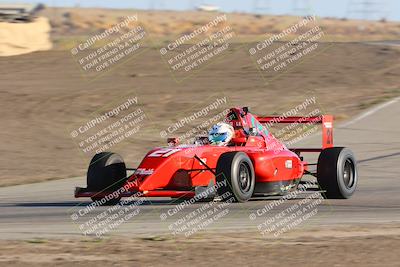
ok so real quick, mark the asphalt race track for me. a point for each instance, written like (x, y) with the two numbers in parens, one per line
(45, 209)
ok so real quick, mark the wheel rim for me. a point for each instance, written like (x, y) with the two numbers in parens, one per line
(348, 173)
(244, 178)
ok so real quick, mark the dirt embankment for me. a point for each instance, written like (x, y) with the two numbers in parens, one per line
(44, 96)
(23, 38)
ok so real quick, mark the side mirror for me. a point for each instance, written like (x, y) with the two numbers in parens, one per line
(253, 131)
(172, 141)
(201, 140)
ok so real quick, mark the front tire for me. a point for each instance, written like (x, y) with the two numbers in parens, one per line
(106, 172)
(235, 174)
(337, 172)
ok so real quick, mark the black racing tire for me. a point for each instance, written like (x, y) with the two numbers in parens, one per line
(107, 171)
(237, 170)
(337, 172)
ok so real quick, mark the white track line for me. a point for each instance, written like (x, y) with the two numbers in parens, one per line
(369, 112)
(356, 119)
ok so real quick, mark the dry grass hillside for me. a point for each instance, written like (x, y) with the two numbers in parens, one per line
(73, 22)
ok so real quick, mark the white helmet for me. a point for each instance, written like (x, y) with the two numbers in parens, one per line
(220, 134)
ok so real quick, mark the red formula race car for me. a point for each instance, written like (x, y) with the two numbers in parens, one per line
(254, 163)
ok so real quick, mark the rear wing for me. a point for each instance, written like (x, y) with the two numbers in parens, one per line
(325, 120)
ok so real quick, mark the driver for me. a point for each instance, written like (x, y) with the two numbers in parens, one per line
(221, 134)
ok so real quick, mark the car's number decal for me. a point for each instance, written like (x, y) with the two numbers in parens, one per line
(166, 152)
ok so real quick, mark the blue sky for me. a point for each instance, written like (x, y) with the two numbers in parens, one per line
(337, 8)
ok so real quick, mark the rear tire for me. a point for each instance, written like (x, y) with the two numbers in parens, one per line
(337, 172)
(237, 171)
(106, 172)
